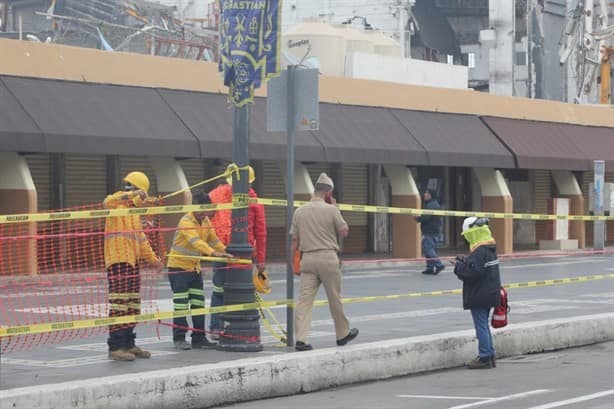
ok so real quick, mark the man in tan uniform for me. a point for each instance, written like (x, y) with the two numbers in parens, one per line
(315, 228)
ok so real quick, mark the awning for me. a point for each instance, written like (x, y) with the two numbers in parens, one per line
(455, 140)
(102, 119)
(543, 145)
(210, 118)
(366, 135)
(18, 133)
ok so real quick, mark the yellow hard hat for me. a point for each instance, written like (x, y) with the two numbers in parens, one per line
(262, 282)
(250, 171)
(138, 179)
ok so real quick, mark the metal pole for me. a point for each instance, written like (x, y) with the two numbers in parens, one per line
(241, 328)
(290, 200)
(599, 226)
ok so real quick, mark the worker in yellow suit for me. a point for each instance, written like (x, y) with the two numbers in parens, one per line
(125, 246)
(194, 237)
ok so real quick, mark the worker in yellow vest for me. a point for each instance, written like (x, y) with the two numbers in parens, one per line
(125, 247)
(194, 237)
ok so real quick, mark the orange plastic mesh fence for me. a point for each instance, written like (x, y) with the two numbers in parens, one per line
(52, 272)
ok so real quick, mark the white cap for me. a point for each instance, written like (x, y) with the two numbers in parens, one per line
(325, 180)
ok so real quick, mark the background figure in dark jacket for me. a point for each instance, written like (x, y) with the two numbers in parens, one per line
(479, 272)
(431, 226)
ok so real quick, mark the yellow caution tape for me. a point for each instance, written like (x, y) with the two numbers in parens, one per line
(217, 259)
(240, 202)
(453, 213)
(100, 322)
(230, 170)
(97, 214)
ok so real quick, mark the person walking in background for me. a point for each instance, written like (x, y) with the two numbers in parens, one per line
(194, 237)
(479, 272)
(125, 245)
(316, 226)
(256, 236)
(431, 227)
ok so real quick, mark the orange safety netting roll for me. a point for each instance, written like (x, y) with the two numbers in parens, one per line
(55, 272)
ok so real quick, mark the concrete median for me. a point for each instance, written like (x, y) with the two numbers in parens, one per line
(202, 386)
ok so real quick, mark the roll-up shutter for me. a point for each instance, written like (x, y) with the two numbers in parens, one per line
(40, 169)
(273, 187)
(129, 164)
(543, 193)
(194, 172)
(85, 180)
(355, 191)
(315, 169)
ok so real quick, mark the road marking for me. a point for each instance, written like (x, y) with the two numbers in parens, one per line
(561, 263)
(574, 400)
(395, 315)
(502, 398)
(442, 397)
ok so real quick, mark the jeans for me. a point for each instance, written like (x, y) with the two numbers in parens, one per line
(217, 296)
(428, 250)
(486, 348)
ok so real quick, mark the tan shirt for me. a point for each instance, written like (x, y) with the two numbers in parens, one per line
(315, 224)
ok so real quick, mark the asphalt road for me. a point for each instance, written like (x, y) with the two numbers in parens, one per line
(378, 320)
(578, 378)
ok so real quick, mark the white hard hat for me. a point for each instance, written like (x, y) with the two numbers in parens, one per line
(469, 222)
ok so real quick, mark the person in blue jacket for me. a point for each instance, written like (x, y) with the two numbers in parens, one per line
(431, 227)
(479, 272)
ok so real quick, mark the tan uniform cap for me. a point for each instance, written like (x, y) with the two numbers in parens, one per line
(325, 180)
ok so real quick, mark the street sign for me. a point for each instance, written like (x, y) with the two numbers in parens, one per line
(306, 99)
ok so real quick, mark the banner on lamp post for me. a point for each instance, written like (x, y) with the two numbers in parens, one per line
(249, 45)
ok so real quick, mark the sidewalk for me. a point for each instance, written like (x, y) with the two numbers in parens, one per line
(203, 386)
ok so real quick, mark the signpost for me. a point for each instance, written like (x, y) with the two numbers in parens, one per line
(292, 105)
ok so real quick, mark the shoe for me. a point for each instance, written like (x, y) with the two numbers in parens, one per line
(204, 344)
(439, 269)
(301, 346)
(182, 345)
(428, 271)
(481, 363)
(139, 353)
(350, 336)
(121, 355)
(214, 334)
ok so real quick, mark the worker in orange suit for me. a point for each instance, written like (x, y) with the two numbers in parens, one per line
(222, 223)
(125, 247)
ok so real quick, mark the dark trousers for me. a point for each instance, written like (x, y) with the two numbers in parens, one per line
(124, 299)
(217, 296)
(188, 293)
(428, 251)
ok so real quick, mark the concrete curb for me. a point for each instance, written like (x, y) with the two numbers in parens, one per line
(208, 385)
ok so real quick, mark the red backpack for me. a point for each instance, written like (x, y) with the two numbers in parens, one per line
(499, 315)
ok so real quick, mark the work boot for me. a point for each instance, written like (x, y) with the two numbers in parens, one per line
(182, 345)
(121, 355)
(139, 353)
(204, 344)
(481, 363)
